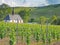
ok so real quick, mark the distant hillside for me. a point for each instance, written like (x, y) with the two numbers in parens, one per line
(4, 6)
(36, 12)
(47, 11)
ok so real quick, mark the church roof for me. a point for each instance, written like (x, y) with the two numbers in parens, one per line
(13, 17)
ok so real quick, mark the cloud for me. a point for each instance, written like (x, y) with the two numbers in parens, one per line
(10, 2)
(25, 3)
(29, 3)
(35, 3)
(53, 1)
(0, 2)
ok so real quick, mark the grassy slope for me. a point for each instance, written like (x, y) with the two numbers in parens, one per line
(36, 12)
(47, 11)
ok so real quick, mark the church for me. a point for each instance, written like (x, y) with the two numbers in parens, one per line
(15, 18)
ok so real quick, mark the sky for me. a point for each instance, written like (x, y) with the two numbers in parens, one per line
(29, 3)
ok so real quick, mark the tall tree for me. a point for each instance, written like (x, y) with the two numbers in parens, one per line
(4, 10)
(43, 20)
(25, 15)
(53, 20)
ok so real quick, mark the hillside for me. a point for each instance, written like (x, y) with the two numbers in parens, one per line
(36, 12)
(47, 11)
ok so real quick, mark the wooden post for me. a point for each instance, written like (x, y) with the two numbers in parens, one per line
(17, 32)
(47, 32)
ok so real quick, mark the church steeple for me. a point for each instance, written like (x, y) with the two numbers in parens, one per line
(12, 10)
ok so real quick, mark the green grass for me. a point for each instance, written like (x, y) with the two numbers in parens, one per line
(36, 12)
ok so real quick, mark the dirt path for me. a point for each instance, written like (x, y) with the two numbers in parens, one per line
(57, 43)
(5, 41)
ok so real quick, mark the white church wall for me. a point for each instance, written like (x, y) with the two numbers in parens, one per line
(9, 20)
(15, 21)
(21, 21)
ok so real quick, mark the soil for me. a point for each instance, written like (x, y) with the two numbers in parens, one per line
(57, 43)
(5, 41)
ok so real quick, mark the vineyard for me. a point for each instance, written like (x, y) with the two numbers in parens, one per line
(29, 34)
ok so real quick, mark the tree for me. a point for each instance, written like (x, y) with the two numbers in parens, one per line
(53, 20)
(43, 20)
(58, 21)
(4, 10)
(25, 15)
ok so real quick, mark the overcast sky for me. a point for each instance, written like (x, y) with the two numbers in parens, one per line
(29, 3)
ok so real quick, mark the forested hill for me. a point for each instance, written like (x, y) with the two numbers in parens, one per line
(35, 12)
(47, 11)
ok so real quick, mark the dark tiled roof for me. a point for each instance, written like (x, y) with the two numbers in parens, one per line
(13, 17)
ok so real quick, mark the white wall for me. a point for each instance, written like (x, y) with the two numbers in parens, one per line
(15, 21)
(10, 20)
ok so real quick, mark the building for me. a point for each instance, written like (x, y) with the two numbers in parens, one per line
(13, 18)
